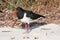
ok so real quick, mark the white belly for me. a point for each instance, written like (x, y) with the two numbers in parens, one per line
(26, 20)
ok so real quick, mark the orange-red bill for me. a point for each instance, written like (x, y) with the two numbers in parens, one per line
(15, 12)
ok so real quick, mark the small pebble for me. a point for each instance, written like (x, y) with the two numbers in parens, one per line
(23, 37)
(36, 38)
(27, 37)
(13, 38)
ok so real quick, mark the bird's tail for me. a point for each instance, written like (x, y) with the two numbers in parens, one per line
(42, 16)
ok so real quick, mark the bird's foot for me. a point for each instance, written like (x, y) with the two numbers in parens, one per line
(28, 31)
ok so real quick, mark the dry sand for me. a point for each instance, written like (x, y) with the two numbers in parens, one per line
(45, 32)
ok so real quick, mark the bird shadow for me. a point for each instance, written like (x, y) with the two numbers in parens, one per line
(36, 25)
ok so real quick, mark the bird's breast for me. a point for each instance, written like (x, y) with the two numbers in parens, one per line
(26, 20)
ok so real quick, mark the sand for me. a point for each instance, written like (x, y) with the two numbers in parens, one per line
(44, 32)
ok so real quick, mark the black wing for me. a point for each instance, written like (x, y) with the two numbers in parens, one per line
(33, 15)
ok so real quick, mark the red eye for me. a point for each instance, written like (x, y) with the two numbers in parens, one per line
(15, 12)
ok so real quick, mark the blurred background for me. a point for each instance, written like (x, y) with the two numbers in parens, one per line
(48, 8)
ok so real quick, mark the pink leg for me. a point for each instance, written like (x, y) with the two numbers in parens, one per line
(28, 27)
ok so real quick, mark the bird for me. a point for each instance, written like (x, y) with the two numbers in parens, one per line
(26, 16)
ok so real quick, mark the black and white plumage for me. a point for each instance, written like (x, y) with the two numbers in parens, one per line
(26, 16)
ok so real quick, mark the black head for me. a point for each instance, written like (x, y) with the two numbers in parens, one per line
(19, 8)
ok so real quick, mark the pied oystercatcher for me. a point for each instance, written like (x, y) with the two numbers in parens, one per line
(26, 16)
